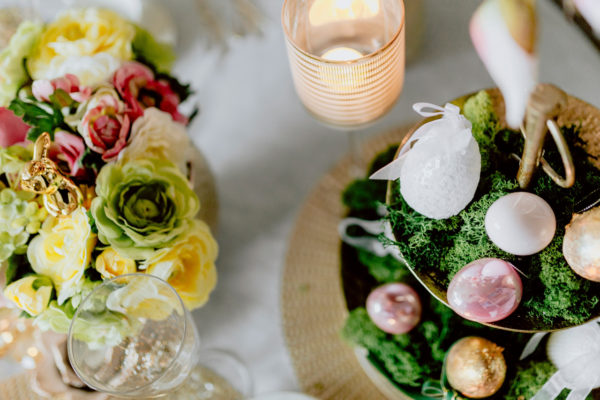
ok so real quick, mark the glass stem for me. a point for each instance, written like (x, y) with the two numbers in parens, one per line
(356, 156)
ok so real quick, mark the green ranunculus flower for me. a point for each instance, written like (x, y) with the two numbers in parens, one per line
(142, 205)
(12, 72)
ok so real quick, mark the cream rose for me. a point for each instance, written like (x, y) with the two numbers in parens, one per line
(110, 264)
(156, 135)
(31, 294)
(144, 298)
(90, 43)
(188, 265)
(62, 251)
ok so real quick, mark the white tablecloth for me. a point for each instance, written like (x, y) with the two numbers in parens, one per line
(267, 152)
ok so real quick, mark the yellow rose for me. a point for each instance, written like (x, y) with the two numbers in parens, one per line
(188, 265)
(90, 43)
(144, 298)
(62, 251)
(110, 264)
(29, 299)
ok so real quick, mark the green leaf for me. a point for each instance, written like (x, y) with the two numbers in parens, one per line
(92, 161)
(38, 118)
(25, 314)
(182, 90)
(18, 267)
(40, 282)
(61, 99)
(145, 47)
(92, 222)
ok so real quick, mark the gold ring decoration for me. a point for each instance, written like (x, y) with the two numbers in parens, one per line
(42, 176)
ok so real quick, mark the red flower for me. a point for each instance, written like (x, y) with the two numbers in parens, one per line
(68, 148)
(137, 86)
(12, 128)
(105, 125)
(43, 89)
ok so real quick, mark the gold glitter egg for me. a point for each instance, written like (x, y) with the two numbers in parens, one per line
(475, 367)
(581, 245)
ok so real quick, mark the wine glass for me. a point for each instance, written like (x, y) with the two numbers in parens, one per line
(346, 58)
(133, 337)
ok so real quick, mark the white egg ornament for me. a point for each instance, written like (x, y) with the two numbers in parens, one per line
(439, 166)
(581, 246)
(520, 223)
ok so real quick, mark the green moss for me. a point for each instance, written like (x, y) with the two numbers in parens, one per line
(365, 194)
(409, 359)
(383, 269)
(553, 293)
(530, 378)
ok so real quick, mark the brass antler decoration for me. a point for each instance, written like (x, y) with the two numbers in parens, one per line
(545, 105)
(42, 176)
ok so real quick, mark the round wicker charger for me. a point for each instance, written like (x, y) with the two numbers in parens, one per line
(313, 305)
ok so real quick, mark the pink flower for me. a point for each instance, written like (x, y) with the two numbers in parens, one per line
(68, 148)
(42, 89)
(136, 84)
(12, 128)
(105, 125)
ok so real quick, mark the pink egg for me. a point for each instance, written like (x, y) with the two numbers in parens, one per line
(395, 308)
(486, 290)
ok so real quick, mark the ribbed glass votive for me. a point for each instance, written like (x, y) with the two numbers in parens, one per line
(346, 57)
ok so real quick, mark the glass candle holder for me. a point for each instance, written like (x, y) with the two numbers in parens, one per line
(346, 57)
(133, 337)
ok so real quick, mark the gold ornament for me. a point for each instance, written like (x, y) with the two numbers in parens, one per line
(42, 176)
(475, 367)
(581, 245)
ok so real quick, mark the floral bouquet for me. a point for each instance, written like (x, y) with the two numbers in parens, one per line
(94, 175)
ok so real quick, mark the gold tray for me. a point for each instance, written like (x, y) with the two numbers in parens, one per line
(576, 111)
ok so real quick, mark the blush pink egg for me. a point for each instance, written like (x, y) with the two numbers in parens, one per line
(486, 290)
(395, 308)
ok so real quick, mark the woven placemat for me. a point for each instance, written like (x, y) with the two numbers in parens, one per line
(313, 305)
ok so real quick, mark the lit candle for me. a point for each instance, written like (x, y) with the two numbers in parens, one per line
(342, 53)
(342, 78)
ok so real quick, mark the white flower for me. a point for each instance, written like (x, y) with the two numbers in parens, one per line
(62, 251)
(89, 43)
(156, 135)
(91, 70)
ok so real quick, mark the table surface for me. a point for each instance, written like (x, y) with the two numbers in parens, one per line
(266, 153)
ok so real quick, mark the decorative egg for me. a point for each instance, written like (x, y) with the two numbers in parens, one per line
(439, 166)
(486, 290)
(520, 223)
(581, 245)
(439, 178)
(475, 367)
(394, 308)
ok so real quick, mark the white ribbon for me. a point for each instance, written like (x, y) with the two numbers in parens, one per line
(451, 121)
(580, 375)
(370, 243)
